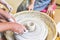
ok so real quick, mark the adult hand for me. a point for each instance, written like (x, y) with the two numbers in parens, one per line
(10, 8)
(18, 28)
(6, 4)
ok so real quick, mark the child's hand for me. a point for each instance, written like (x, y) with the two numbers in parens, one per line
(18, 28)
(50, 9)
(30, 7)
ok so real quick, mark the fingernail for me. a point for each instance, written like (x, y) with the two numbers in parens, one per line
(16, 33)
(25, 31)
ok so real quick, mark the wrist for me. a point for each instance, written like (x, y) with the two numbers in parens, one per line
(12, 25)
(52, 4)
(32, 4)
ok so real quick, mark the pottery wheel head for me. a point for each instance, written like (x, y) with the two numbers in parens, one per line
(39, 26)
(30, 26)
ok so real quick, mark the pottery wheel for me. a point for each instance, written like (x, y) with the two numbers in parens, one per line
(37, 28)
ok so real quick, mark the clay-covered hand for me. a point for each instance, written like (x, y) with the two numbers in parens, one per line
(18, 28)
(10, 8)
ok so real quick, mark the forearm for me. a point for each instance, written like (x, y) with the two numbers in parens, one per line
(53, 2)
(6, 15)
(32, 2)
(5, 26)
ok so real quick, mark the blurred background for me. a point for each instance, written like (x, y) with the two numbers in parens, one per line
(16, 3)
(57, 12)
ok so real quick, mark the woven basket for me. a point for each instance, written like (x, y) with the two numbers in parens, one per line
(46, 28)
